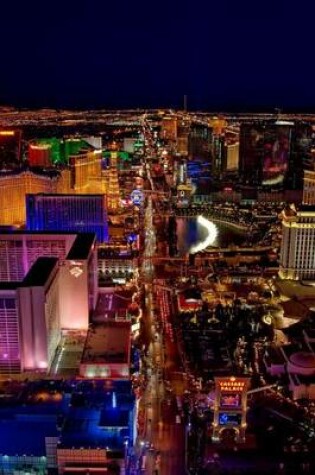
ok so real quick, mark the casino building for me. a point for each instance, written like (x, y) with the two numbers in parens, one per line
(230, 407)
(72, 213)
(297, 257)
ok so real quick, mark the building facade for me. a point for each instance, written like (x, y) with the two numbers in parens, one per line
(29, 317)
(85, 167)
(297, 256)
(39, 155)
(71, 213)
(63, 300)
(309, 188)
(14, 186)
(274, 154)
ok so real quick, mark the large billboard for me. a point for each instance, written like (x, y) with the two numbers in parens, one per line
(274, 155)
(251, 153)
(230, 399)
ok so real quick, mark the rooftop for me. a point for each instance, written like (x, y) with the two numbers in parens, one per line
(81, 413)
(107, 343)
(294, 289)
(40, 272)
(68, 195)
(304, 359)
(15, 435)
(82, 245)
(111, 304)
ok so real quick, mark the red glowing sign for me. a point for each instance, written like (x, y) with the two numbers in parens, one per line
(232, 384)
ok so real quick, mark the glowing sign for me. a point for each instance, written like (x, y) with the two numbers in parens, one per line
(232, 384)
(137, 197)
(76, 269)
(7, 133)
(227, 418)
(230, 399)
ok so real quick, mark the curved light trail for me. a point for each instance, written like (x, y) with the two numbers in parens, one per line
(212, 234)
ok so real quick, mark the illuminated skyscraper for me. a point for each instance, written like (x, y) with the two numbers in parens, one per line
(73, 213)
(169, 128)
(60, 150)
(113, 193)
(297, 256)
(309, 188)
(200, 139)
(29, 318)
(14, 185)
(273, 155)
(232, 157)
(182, 138)
(40, 296)
(39, 155)
(85, 166)
(218, 125)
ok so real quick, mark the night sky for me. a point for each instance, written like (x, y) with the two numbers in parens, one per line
(224, 55)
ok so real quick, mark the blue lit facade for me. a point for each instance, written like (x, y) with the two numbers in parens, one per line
(83, 415)
(72, 213)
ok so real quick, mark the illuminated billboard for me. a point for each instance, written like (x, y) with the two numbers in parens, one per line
(230, 407)
(277, 142)
(251, 153)
(274, 154)
(230, 399)
(230, 418)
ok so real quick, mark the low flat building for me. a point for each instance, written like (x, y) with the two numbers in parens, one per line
(80, 426)
(107, 351)
(297, 361)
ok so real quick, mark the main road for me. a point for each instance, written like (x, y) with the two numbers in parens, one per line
(164, 428)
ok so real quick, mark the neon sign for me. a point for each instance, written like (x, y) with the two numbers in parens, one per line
(232, 384)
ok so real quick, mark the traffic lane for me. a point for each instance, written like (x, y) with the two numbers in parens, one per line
(169, 441)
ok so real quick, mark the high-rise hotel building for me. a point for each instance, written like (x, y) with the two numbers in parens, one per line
(14, 185)
(274, 154)
(85, 168)
(297, 255)
(74, 213)
(309, 188)
(41, 296)
(81, 174)
(30, 319)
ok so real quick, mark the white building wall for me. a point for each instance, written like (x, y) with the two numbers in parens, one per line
(33, 328)
(52, 319)
(74, 298)
(297, 255)
(10, 351)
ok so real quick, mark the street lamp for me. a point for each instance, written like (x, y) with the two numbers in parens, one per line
(126, 443)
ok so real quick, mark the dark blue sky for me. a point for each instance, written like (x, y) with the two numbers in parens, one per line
(135, 53)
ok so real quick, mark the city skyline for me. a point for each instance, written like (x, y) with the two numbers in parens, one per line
(157, 238)
(157, 292)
